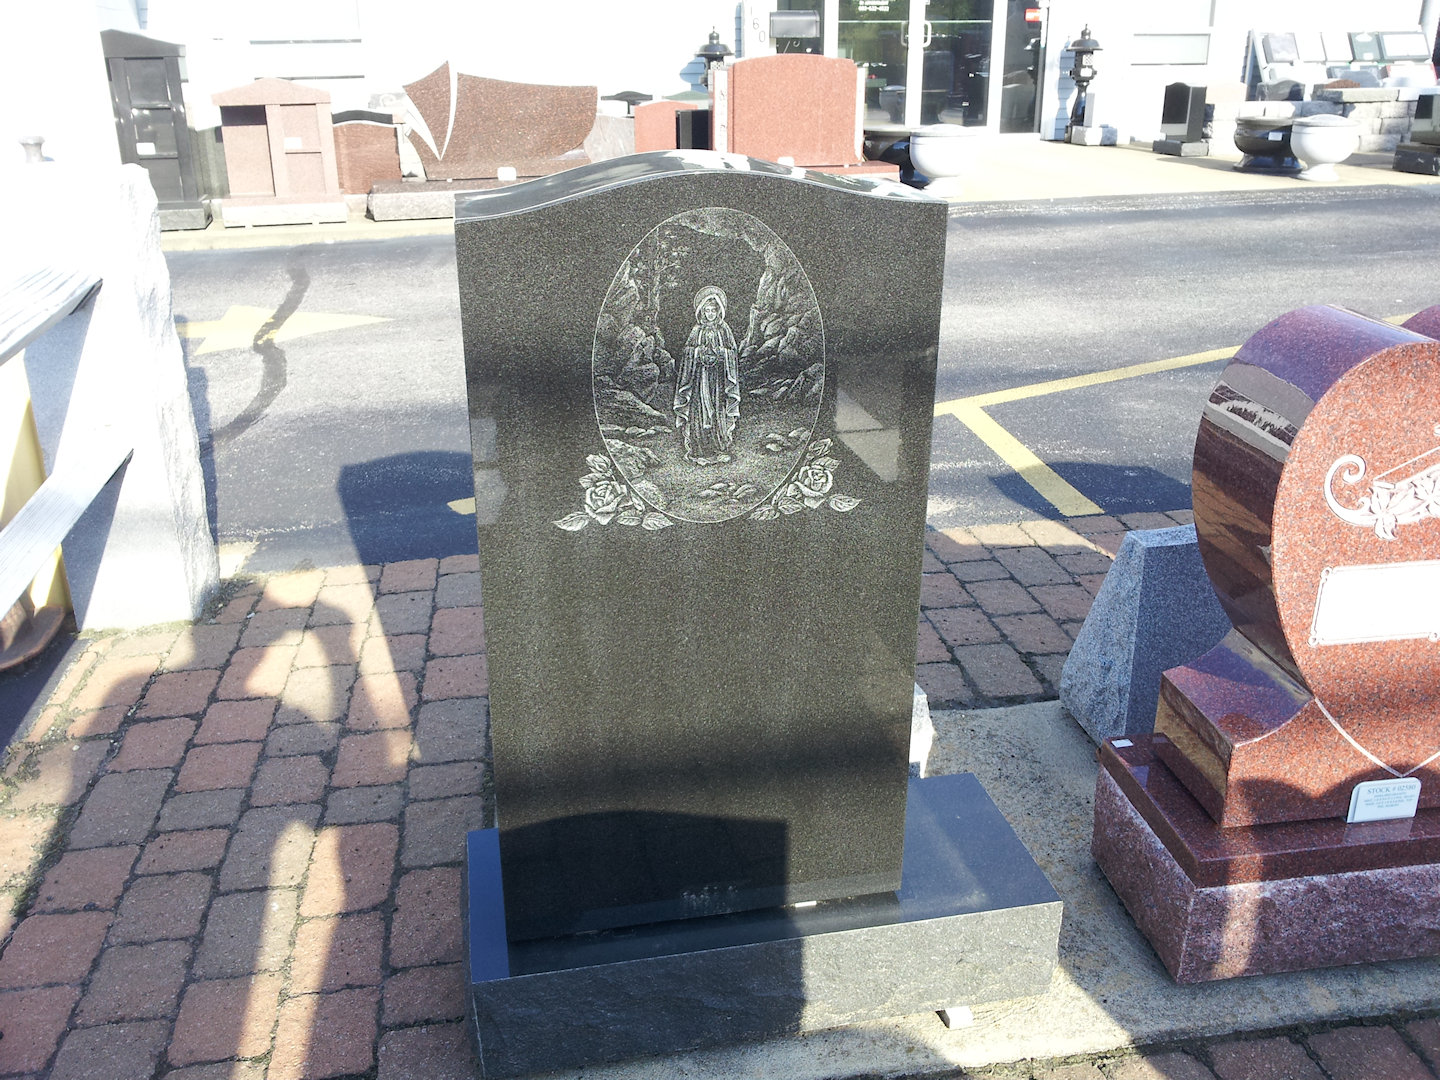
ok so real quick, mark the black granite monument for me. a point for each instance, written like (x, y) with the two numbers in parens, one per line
(701, 389)
(1182, 122)
(149, 105)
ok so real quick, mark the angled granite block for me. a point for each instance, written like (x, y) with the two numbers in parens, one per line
(1155, 610)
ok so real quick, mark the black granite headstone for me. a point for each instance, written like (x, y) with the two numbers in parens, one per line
(701, 392)
(692, 129)
(701, 389)
(1182, 115)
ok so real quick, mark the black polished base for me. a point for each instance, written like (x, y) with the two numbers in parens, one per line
(974, 920)
(1417, 158)
(1279, 166)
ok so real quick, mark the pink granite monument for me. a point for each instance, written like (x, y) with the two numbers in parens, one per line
(470, 128)
(279, 155)
(655, 124)
(807, 108)
(1294, 771)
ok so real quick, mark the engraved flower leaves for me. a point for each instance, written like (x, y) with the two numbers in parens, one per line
(608, 499)
(810, 487)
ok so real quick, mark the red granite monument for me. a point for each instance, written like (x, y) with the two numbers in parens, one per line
(1270, 823)
(279, 155)
(807, 108)
(476, 127)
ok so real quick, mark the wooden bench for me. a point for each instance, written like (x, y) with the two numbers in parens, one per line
(29, 306)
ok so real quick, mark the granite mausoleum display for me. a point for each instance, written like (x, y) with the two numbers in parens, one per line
(1270, 823)
(279, 155)
(701, 437)
(149, 104)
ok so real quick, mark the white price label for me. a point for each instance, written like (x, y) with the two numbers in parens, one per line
(1383, 800)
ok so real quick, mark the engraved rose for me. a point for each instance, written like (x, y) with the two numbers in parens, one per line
(814, 480)
(603, 498)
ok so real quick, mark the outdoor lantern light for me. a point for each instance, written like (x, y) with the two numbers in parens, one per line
(1084, 47)
(712, 53)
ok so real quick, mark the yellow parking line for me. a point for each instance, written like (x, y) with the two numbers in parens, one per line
(1078, 382)
(1049, 484)
(1045, 480)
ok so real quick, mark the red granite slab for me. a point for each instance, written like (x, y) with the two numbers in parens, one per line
(796, 105)
(1255, 927)
(1426, 322)
(1210, 854)
(1316, 510)
(365, 154)
(655, 124)
(480, 125)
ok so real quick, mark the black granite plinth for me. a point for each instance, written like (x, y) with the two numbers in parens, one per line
(701, 389)
(1180, 148)
(1413, 157)
(974, 920)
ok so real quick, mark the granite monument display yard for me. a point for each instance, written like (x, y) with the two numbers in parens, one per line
(1285, 813)
(700, 393)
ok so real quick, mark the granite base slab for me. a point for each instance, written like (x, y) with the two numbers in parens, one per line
(298, 210)
(1417, 158)
(1179, 148)
(411, 200)
(1275, 923)
(175, 218)
(975, 920)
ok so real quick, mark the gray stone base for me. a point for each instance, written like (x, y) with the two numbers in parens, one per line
(1176, 148)
(173, 218)
(409, 200)
(244, 212)
(1156, 609)
(1417, 158)
(974, 920)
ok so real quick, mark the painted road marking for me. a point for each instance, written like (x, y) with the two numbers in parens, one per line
(237, 328)
(1049, 484)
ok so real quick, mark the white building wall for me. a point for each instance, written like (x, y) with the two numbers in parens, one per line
(623, 45)
(56, 86)
(1127, 92)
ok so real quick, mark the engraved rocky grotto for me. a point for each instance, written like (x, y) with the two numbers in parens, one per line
(708, 372)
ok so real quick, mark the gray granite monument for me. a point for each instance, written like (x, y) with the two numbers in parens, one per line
(700, 394)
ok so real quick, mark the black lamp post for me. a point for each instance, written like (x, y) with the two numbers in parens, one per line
(712, 53)
(1084, 47)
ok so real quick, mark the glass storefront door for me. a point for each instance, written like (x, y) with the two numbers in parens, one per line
(949, 49)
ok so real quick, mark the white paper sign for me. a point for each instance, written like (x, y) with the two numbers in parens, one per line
(1382, 800)
(294, 142)
(144, 149)
(1380, 602)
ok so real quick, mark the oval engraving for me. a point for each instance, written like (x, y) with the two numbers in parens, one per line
(709, 365)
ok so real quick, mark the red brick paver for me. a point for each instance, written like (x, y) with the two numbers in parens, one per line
(34, 1022)
(225, 1018)
(48, 949)
(1366, 1053)
(321, 1035)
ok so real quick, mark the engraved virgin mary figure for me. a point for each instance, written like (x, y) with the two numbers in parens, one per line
(707, 385)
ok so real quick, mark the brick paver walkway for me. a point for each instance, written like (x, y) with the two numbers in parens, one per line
(233, 850)
(240, 842)
(1001, 604)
